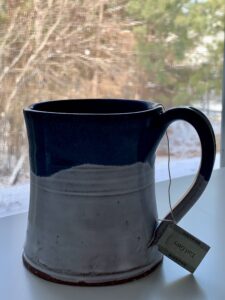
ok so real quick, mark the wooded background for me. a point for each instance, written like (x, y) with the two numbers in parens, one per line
(169, 51)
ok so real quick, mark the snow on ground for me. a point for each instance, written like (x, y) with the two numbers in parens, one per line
(179, 167)
(15, 199)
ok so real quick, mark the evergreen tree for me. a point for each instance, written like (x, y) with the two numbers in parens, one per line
(180, 46)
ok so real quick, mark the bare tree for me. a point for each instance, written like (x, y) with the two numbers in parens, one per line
(56, 49)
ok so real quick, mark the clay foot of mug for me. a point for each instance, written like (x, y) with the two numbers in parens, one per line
(100, 280)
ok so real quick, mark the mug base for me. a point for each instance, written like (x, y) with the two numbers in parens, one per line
(100, 280)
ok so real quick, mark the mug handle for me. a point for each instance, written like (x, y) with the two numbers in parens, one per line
(208, 145)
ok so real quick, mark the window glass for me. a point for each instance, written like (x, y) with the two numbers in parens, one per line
(167, 51)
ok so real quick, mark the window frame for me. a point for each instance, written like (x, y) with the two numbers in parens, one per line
(222, 135)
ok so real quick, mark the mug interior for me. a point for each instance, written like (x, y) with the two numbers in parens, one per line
(94, 106)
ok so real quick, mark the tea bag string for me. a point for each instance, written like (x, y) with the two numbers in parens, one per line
(169, 191)
(170, 179)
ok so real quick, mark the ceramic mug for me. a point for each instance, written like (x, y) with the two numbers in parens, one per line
(92, 206)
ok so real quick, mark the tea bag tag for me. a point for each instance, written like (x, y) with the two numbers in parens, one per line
(182, 247)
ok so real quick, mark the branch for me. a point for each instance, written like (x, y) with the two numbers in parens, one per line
(33, 57)
(10, 29)
(16, 59)
(17, 169)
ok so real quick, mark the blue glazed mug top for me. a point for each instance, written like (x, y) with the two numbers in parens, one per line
(92, 210)
(95, 106)
(67, 133)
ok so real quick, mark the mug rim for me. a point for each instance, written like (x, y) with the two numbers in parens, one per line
(150, 106)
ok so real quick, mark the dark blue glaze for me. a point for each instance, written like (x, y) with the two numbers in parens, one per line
(66, 133)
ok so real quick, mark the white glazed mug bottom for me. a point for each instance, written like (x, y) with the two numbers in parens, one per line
(92, 224)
